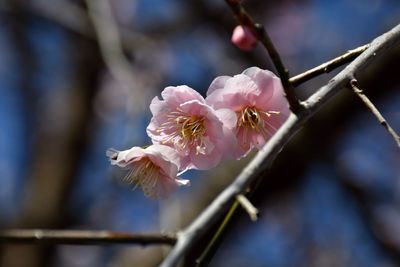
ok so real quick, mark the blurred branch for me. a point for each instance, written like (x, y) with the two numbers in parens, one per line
(374, 110)
(109, 41)
(75, 18)
(72, 16)
(244, 18)
(78, 237)
(264, 158)
(58, 135)
(328, 66)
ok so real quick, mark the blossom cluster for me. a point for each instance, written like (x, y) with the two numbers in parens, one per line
(240, 113)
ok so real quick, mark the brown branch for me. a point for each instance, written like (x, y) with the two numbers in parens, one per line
(80, 237)
(374, 110)
(252, 173)
(328, 66)
(261, 34)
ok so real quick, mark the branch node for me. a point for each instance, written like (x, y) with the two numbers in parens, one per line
(248, 207)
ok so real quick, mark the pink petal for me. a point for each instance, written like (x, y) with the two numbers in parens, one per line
(258, 140)
(228, 117)
(217, 83)
(266, 82)
(244, 85)
(205, 162)
(278, 102)
(126, 157)
(244, 144)
(165, 157)
(239, 91)
(133, 153)
(195, 107)
(164, 187)
(157, 106)
(175, 96)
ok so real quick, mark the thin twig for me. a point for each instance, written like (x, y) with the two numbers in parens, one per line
(328, 66)
(79, 237)
(374, 110)
(248, 207)
(264, 158)
(245, 19)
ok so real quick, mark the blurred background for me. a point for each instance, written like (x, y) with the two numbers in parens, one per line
(69, 90)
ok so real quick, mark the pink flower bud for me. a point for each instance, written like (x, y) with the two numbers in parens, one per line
(244, 38)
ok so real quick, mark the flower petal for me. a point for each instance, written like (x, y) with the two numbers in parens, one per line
(265, 80)
(164, 157)
(180, 94)
(217, 83)
(228, 117)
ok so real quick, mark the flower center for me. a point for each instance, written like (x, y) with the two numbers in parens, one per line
(143, 173)
(192, 127)
(249, 117)
(252, 118)
(185, 131)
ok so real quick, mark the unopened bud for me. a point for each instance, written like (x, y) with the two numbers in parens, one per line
(244, 38)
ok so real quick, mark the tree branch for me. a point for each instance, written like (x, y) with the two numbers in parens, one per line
(252, 172)
(245, 19)
(374, 110)
(79, 237)
(328, 66)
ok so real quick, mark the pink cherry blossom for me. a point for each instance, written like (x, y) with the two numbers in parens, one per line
(153, 168)
(182, 120)
(244, 38)
(256, 96)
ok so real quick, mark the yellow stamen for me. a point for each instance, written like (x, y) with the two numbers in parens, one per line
(143, 173)
(184, 130)
(252, 118)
